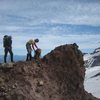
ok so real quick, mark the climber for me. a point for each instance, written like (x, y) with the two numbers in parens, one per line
(37, 54)
(75, 47)
(7, 44)
(37, 57)
(29, 45)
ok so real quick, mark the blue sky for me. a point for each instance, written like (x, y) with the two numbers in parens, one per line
(54, 22)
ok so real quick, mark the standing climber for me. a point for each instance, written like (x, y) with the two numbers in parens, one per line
(7, 44)
(29, 45)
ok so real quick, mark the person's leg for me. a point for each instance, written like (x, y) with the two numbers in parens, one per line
(29, 56)
(11, 54)
(5, 55)
(30, 53)
(27, 52)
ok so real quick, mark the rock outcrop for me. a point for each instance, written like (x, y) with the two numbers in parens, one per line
(57, 76)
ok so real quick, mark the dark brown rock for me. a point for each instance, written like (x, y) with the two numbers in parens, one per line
(62, 73)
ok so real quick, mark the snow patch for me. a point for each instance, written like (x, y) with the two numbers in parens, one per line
(92, 85)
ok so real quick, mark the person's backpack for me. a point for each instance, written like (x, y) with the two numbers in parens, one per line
(7, 41)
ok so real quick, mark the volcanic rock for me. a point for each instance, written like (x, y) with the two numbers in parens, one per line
(61, 73)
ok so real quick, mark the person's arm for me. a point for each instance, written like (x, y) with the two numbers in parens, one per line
(35, 45)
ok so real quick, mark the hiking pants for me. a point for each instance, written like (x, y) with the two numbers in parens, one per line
(6, 50)
(29, 52)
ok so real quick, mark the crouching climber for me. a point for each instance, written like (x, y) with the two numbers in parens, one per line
(37, 54)
(37, 57)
